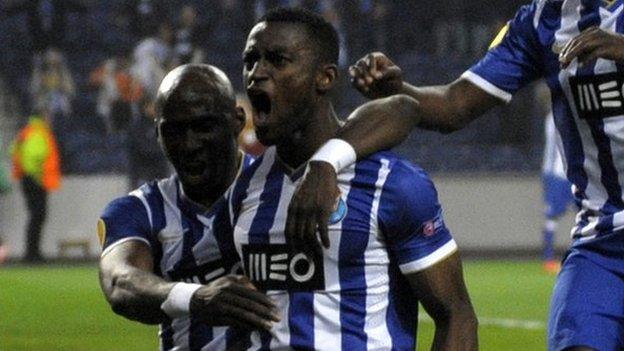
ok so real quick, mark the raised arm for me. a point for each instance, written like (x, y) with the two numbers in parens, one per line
(136, 293)
(442, 292)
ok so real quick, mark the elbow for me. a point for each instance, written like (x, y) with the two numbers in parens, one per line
(459, 315)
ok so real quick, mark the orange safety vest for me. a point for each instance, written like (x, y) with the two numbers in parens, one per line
(51, 168)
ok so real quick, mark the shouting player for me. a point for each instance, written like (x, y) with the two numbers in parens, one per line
(392, 247)
(166, 231)
(578, 46)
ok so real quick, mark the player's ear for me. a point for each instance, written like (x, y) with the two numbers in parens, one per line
(326, 78)
(240, 117)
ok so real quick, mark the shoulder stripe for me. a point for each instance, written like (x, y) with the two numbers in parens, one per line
(428, 261)
(486, 86)
(121, 241)
(139, 194)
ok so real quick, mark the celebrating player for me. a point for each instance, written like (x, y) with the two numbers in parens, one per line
(392, 246)
(578, 46)
(166, 231)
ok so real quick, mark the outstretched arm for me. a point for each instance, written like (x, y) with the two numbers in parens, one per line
(442, 292)
(134, 292)
(380, 124)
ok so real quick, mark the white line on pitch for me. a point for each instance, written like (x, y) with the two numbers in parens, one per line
(500, 322)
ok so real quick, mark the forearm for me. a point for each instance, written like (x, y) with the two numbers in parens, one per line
(136, 294)
(448, 108)
(385, 123)
(456, 330)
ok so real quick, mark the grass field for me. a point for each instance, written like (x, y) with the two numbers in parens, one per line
(58, 308)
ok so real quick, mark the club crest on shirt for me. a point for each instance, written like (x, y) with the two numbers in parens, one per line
(339, 213)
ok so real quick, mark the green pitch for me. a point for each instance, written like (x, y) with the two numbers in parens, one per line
(61, 308)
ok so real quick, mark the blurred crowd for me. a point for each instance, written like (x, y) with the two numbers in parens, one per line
(93, 67)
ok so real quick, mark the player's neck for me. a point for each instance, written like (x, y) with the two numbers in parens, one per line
(323, 125)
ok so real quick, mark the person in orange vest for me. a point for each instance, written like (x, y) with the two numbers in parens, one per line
(36, 164)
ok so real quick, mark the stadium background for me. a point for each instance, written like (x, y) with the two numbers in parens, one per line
(487, 175)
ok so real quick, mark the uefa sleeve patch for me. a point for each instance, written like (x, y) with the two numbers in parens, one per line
(101, 231)
(499, 37)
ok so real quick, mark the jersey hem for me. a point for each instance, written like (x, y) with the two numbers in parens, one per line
(486, 86)
(121, 241)
(428, 261)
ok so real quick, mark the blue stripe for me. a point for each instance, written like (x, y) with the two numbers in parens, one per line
(402, 313)
(619, 28)
(570, 137)
(199, 334)
(166, 336)
(223, 233)
(353, 243)
(301, 320)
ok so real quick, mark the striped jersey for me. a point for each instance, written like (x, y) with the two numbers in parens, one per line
(353, 296)
(587, 101)
(552, 163)
(189, 243)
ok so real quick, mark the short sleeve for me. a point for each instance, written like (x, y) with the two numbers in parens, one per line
(123, 219)
(410, 218)
(513, 60)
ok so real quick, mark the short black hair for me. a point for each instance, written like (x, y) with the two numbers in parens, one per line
(319, 29)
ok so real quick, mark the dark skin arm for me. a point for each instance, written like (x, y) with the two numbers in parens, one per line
(380, 126)
(442, 292)
(134, 292)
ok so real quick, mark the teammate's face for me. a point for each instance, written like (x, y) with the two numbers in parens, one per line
(279, 72)
(200, 141)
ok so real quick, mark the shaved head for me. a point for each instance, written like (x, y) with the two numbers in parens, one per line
(195, 86)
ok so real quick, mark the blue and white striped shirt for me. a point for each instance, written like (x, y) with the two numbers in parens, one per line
(189, 243)
(354, 296)
(588, 101)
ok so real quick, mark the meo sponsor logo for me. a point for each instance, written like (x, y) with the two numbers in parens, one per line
(275, 267)
(598, 97)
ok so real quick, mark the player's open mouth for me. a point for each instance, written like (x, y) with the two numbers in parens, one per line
(261, 103)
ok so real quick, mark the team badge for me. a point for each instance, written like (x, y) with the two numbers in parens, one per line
(429, 228)
(101, 231)
(339, 213)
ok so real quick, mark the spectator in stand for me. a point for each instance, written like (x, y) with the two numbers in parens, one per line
(119, 93)
(188, 38)
(152, 59)
(146, 159)
(52, 86)
(46, 20)
(36, 164)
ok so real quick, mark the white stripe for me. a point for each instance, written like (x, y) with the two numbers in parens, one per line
(138, 193)
(438, 255)
(376, 262)
(121, 241)
(538, 13)
(607, 86)
(180, 328)
(212, 275)
(611, 104)
(487, 86)
(506, 323)
(219, 341)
